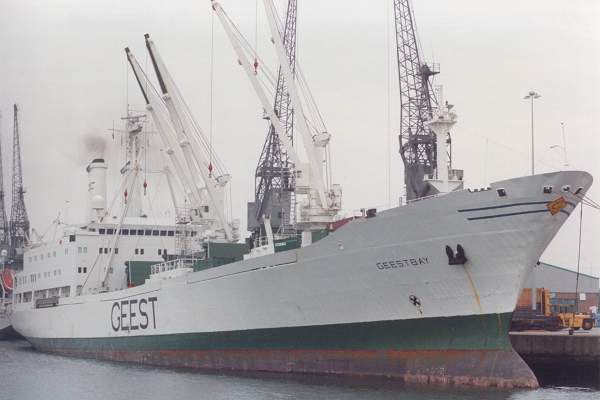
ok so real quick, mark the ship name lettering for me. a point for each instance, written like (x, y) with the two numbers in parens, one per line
(407, 262)
(133, 314)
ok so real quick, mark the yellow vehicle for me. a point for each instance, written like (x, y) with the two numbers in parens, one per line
(577, 321)
(570, 319)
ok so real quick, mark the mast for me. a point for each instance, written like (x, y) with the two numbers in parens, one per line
(274, 180)
(19, 221)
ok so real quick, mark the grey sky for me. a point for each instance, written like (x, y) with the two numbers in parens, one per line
(63, 62)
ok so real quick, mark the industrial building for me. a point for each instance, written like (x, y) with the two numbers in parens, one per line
(561, 283)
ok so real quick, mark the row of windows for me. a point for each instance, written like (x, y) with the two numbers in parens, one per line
(145, 232)
(34, 277)
(41, 256)
(80, 250)
(107, 250)
(26, 297)
(160, 251)
(82, 270)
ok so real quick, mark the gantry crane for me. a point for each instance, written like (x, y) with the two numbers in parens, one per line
(424, 153)
(19, 221)
(274, 179)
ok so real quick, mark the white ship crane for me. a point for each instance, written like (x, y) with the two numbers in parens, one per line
(204, 178)
(175, 152)
(323, 200)
(208, 165)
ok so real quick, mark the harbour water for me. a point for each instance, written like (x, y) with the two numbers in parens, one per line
(27, 374)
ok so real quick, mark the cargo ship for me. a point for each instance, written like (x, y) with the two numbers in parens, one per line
(422, 293)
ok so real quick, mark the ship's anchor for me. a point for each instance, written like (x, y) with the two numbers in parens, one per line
(458, 258)
(416, 302)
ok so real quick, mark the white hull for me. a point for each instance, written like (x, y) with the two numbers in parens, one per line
(369, 270)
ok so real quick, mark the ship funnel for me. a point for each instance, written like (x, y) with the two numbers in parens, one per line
(97, 189)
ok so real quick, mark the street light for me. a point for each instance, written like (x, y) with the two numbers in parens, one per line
(532, 95)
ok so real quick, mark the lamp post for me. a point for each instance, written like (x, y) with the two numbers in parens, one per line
(532, 95)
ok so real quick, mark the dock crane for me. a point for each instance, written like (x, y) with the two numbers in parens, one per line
(322, 200)
(274, 181)
(199, 170)
(425, 120)
(19, 220)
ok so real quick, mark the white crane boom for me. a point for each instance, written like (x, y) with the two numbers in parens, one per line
(260, 92)
(322, 203)
(166, 131)
(315, 162)
(190, 132)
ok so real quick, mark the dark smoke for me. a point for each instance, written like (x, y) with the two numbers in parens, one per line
(95, 146)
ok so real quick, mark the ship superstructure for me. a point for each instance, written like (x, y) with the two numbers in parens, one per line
(98, 255)
(117, 245)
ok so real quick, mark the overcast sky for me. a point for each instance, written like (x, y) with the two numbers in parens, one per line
(62, 61)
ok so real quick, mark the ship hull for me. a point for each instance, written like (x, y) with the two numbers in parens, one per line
(471, 350)
(378, 297)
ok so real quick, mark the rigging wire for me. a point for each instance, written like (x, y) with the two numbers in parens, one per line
(389, 100)
(115, 237)
(126, 90)
(212, 79)
(255, 25)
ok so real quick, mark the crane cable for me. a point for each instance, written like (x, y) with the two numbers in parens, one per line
(212, 79)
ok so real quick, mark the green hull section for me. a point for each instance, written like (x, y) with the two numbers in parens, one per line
(476, 332)
(472, 351)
